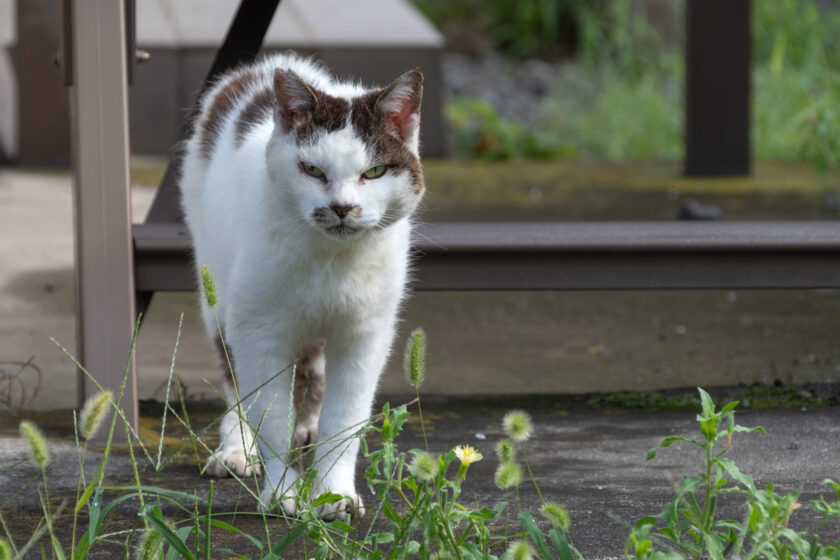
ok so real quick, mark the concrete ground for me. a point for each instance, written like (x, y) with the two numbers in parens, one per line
(508, 345)
(588, 459)
(496, 343)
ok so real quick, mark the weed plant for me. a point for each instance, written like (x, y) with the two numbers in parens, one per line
(418, 510)
(689, 526)
(626, 100)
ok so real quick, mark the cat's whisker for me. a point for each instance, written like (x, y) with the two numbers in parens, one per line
(420, 235)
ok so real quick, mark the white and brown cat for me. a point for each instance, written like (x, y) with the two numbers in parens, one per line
(299, 190)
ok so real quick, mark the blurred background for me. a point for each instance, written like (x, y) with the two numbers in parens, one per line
(534, 110)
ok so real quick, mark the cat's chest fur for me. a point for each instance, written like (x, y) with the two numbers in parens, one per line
(320, 288)
(298, 190)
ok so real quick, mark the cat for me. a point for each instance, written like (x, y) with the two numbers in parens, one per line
(299, 190)
(309, 388)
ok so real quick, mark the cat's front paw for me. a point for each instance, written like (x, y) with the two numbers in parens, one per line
(272, 498)
(305, 436)
(224, 462)
(351, 504)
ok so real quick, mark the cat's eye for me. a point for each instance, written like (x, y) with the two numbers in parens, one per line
(375, 172)
(311, 170)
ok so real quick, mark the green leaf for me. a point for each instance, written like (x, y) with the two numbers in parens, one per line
(706, 402)
(83, 499)
(322, 552)
(671, 533)
(382, 538)
(688, 485)
(662, 444)
(713, 545)
(728, 407)
(758, 429)
(284, 543)
(561, 544)
(82, 546)
(833, 483)
(736, 474)
(340, 526)
(182, 534)
(231, 529)
(487, 513)
(391, 513)
(709, 429)
(56, 544)
(327, 498)
(158, 524)
(530, 527)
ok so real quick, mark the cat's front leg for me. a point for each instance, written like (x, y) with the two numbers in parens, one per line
(352, 376)
(237, 452)
(264, 373)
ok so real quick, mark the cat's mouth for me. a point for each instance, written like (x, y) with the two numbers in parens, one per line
(342, 231)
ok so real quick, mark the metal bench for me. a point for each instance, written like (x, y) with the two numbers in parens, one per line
(121, 266)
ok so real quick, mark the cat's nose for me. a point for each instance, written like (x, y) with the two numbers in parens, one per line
(342, 210)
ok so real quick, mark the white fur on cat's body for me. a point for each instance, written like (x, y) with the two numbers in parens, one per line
(282, 283)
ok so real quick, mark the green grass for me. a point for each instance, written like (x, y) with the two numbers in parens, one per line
(627, 100)
(418, 510)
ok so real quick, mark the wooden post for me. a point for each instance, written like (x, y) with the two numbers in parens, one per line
(104, 255)
(717, 85)
(43, 111)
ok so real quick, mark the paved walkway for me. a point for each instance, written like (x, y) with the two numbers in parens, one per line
(590, 460)
(500, 343)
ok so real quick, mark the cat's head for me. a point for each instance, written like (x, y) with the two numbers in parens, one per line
(347, 165)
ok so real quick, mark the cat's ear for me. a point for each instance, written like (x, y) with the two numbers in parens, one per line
(399, 104)
(296, 101)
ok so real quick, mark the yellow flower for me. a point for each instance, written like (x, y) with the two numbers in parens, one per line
(468, 454)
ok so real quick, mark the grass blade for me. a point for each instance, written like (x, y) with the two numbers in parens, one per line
(288, 539)
(161, 527)
(561, 545)
(536, 535)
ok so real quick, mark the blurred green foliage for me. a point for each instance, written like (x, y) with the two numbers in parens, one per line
(483, 134)
(796, 81)
(627, 99)
(519, 28)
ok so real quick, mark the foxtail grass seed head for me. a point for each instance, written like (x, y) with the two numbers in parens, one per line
(556, 515)
(424, 466)
(508, 475)
(415, 357)
(5, 551)
(505, 451)
(517, 425)
(519, 550)
(93, 413)
(209, 286)
(38, 450)
(150, 546)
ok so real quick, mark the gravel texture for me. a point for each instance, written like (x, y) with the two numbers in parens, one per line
(517, 90)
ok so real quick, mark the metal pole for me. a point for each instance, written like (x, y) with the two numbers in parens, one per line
(717, 86)
(104, 256)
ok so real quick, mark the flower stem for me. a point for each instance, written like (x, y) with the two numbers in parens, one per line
(420, 413)
(531, 474)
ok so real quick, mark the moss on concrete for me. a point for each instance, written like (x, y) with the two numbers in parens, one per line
(757, 396)
(597, 190)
